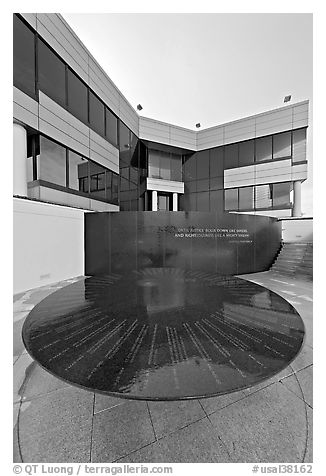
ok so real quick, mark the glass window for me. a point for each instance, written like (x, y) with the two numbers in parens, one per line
(263, 196)
(216, 183)
(77, 97)
(264, 149)
(176, 172)
(299, 145)
(246, 198)
(190, 167)
(231, 199)
(216, 168)
(203, 164)
(231, 156)
(202, 185)
(51, 74)
(78, 172)
(281, 194)
(216, 200)
(282, 145)
(111, 127)
(115, 188)
(124, 143)
(246, 152)
(165, 171)
(51, 164)
(203, 202)
(190, 186)
(97, 180)
(96, 114)
(24, 57)
(154, 163)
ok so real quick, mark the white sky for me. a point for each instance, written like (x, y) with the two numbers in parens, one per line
(211, 68)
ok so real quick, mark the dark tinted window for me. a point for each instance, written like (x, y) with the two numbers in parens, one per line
(216, 200)
(97, 180)
(263, 196)
(231, 158)
(299, 145)
(203, 202)
(281, 194)
(216, 183)
(264, 149)
(282, 145)
(246, 198)
(165, 171)
(52, 162)
(203, 164)
(77, 97)
(190, 167)
(78, 172)
(51, 74)
(202, 185)
(154, 163)
(216, 162)
(176, 167)
(96, 114)
(231, 199)
(24, 57)
(124, 143)
(246, 152)
(111, 127)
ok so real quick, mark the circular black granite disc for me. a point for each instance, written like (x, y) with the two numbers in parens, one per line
(163, 334)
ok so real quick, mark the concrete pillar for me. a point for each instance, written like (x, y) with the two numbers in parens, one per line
(296, 212)
(175, 202)
(20, 160)
(154, 201)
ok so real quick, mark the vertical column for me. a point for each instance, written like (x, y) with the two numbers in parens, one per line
(296, 212)
(154, 200)
(20, 160)
(175, 202)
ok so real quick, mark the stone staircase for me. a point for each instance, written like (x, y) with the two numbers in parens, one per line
(295, 260)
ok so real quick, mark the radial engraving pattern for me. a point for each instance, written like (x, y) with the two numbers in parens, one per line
(163, 334)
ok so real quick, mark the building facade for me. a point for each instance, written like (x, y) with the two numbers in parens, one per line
(78, 142)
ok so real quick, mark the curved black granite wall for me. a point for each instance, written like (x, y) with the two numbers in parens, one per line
(225, 243)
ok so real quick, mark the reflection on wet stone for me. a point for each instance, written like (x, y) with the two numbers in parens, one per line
(163, 333)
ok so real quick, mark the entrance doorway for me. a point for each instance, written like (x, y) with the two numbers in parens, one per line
(163, 201)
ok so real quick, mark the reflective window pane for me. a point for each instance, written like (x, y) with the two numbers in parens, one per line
(231, 199)
(190, 167)
(176, 164)
(77, 97)
(165, 172)
(231, 159)
(154, 163)
(246, 152)
(51, 74)
(246, 198)
(282, 145)
(203, 202)
(51, 164)
(203, 164)
(96, 114)
(23, 57)
(124, 144)
(264, 149)
(111, 127)
(216, 183)
(216, 200)
(202, 185)
(281, 194)
(216, 162)
(299, 145)
(78, 172)
(263, 196)
(97, 180)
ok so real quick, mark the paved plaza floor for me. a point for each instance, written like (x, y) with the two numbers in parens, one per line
(270, 422)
